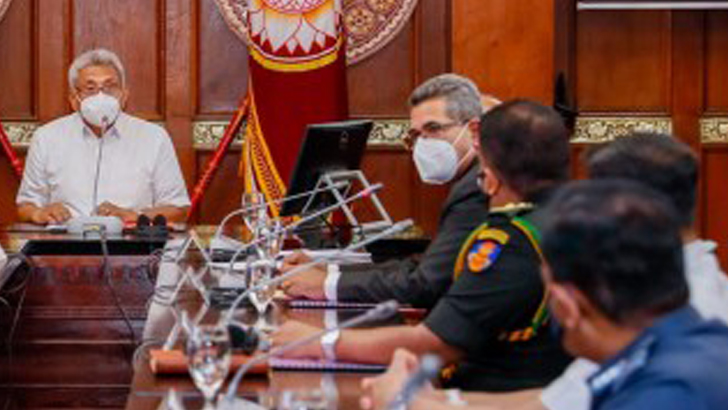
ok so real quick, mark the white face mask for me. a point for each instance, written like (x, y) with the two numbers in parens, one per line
(436, 159)
(100, 110)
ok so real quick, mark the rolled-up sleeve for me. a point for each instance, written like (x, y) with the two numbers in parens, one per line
(169, 185)
(35, 188)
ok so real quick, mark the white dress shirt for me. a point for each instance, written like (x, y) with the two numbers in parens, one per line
(708, 295)
(136, 163)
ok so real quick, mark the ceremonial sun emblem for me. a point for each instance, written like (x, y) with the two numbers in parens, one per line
(312, 32)
(294, 35)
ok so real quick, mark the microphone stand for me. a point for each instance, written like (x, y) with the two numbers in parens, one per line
(313, 216)
(429, 368)
(228, 318)
(382, 310)
(228, 217)
(398, 227)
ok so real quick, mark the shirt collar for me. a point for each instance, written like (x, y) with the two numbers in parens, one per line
(612, 374)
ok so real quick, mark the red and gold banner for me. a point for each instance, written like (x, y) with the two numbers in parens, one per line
(297, 77)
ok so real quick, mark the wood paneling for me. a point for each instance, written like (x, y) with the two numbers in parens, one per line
(134, 30)
(17, 82)
(667, 62)
(394, 65)
(716, 83)
(714, 199)
(623, 61)
(507, 47)
(222, 63)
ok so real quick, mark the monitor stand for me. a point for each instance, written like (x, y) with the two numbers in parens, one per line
(332, 183)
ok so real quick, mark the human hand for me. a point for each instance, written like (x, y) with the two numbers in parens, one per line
(307, 284)
(109, 209)
(295, 259)
(293, 330)
(55, 213)
(378, 392)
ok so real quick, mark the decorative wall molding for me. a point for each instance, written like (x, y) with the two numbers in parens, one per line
(597, 130)
(206, 135)
(20, 133)
(714, 130)
(389, 132)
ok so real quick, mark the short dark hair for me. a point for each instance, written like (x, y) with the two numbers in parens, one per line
(660, 161)
(527, 144)
(618, 242)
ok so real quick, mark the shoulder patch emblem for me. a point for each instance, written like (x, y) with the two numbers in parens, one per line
(486, 249)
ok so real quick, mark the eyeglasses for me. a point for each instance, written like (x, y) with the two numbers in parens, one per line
(111, 89)
(429, 130)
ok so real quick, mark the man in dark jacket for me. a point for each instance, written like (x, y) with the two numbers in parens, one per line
(444, 117)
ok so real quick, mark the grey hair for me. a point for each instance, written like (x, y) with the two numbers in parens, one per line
(461, 95)
(96, 57)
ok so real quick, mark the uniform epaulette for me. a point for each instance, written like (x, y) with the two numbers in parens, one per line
(513, 209)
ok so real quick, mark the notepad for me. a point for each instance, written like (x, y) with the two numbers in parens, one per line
(328, 304)
(304, 365)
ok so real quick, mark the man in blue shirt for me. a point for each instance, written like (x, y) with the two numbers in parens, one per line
(619, 297)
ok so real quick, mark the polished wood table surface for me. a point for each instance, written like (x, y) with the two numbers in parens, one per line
(66, 344)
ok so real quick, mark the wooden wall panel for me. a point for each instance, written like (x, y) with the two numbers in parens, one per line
(17, 82)
(623, 61)
(393, 66)
(133, 29)
(716, 83)
(222, 63)
(507, 53)
(715, 198)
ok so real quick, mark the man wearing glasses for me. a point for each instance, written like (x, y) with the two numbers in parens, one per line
(444, 110)
(100, 160)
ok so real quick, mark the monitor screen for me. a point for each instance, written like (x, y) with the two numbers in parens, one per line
(326, 147)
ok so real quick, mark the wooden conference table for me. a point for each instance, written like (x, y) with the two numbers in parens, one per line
(66, 344)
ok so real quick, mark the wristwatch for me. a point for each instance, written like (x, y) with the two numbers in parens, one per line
(328, 345)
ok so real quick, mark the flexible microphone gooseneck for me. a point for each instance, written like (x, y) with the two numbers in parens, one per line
(380, 311)
(394, 229)
(227, 319)
(99, 157)
(289, 228)
(228, 217)
(430, 366)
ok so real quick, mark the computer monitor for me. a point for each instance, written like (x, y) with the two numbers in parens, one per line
(326, 147)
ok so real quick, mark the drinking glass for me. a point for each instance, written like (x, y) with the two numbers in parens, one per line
(208, 359)
(256, 215)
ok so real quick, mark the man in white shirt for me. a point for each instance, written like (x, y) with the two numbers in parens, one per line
(666, 165)
(99, 160)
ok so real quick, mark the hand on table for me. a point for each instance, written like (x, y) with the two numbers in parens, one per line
(55, 213)
(109, 209)
(378, 392)
(308, 284)
(293, 330)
